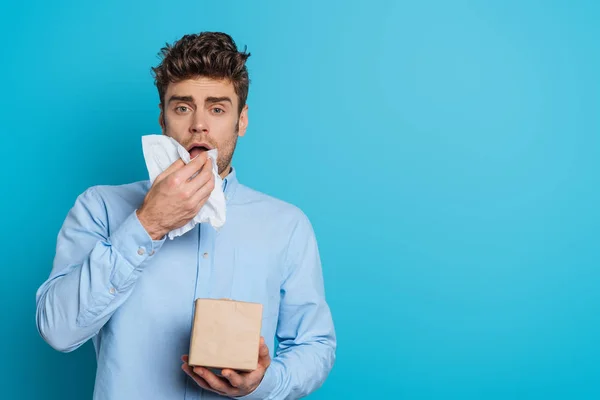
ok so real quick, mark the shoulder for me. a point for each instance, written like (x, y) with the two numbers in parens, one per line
(115, 194)
(276, 217)
(108, 205)
(268, 206)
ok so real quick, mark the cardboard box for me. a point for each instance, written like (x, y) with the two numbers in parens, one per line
(226, 334)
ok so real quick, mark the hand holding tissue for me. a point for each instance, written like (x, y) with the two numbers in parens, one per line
(160, 152)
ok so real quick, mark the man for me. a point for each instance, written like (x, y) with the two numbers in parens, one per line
(117, 281)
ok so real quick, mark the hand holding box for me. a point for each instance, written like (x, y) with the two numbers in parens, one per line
(226, 334)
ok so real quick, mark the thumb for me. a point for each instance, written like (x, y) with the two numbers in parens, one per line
(264, 359)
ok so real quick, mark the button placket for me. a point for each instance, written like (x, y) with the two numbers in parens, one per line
(206, 237)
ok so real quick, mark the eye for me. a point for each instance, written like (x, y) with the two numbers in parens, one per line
(218, 110)
(181, 109)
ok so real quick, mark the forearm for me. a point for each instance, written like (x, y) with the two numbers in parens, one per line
(73, 307)
(306, 352)
(306, 334)
(297, 371)
(79, 298)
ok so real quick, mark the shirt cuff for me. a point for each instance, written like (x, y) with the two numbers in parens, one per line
(266, 386)
(132, 241)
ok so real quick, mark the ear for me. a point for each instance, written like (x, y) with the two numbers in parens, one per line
(161, 119)
(243, 121)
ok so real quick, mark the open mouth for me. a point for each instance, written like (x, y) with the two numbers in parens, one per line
(197, 150)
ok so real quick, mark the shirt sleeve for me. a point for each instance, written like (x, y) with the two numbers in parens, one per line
(306, 334)
(93, 273)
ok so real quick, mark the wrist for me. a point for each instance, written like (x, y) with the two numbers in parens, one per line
(155, 232)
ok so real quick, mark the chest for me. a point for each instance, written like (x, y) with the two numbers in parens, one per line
(232, 263)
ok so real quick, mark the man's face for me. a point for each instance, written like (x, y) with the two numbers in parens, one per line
(202, 114)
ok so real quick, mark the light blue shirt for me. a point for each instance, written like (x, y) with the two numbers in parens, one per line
(134, 297)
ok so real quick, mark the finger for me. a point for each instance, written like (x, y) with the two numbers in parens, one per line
(204, 192)
(201, 176)
(236, 380)
(192, 167)
(199, 381)
(185, 358)
(199, 204)
(178, 164)
(264, 358)
(216, 383)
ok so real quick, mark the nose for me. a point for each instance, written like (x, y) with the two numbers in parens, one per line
(199, 124)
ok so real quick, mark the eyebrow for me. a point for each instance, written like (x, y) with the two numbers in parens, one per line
(209, 100)
(212, 100)
(188, 99)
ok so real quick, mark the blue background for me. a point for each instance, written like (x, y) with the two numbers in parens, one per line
(447, 154)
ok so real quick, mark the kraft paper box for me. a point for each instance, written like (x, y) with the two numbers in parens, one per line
(226, 334)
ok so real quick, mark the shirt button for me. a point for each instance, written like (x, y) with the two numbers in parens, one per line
(141, 251)
(112, 290)
(205, 255)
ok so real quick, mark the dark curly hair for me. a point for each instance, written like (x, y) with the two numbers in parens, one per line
(208, 54)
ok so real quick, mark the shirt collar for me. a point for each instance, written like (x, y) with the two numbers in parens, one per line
(230, 183)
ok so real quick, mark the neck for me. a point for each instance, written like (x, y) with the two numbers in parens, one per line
(225, 172)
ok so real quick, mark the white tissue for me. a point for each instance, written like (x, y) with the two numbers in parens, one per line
(160, 152)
